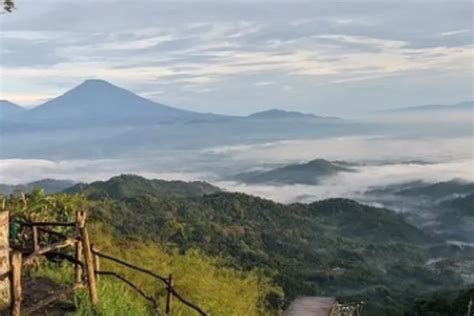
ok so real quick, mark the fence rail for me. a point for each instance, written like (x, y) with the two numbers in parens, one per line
(86, 267)
(171, 292)
(41, 251)
(44, 224)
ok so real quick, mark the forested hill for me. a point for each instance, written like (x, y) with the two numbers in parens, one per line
(307, 173)
(131, 185)
(332, 247)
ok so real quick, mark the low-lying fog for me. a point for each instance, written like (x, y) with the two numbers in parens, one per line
(382, 161)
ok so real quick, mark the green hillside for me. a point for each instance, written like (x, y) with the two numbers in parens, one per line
(131, 185)
(333, 247)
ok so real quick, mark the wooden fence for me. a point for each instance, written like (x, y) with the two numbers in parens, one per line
(4, 261)
(86, 261)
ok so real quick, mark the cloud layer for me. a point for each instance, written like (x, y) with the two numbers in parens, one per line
(354, 184)
(359, 149)
(382, 162)
(315, 57)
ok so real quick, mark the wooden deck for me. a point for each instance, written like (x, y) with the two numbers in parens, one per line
(310, 306)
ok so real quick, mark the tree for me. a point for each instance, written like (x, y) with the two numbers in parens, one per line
(8, 5)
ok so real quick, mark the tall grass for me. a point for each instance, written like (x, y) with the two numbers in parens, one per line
(115, 299)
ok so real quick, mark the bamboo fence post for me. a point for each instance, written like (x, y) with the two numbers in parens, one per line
(4, 261)
(78, 248)
(96, 261)
(169, 297)
(16, 282)
(86, 248)
(34, 233)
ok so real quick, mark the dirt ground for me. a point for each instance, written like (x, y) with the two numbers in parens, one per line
(37, 289)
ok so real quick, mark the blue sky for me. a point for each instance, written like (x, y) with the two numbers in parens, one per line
(237, 57)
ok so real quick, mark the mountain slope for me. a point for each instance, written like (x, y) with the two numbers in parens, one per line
(97, 102)
(307, 173)
(9, 109)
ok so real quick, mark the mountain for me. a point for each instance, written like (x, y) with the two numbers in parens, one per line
(444, 208)
(48, 185)
(462, 106)
(464, 204)
(440, 190)
(99, 120)
(131, 185)
(307, 173)
(9, 109)
(331, 247)
(281, 114)
(456, 221)
(99, 103)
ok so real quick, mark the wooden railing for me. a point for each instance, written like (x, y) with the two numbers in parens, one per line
(171, 292)
(86, 261)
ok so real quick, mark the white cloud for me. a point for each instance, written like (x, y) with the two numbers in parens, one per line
(210, 47)
(17, 171)
(456, 32)
(34, 36)
(360, 148)
(351, 39)
(383, 161)
(354, 184)
(264, 83)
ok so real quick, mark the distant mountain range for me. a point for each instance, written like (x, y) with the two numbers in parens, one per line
(48, 185)
(100, 120)
(97, 119)
(281, 114)
(462, 106)
(100, 103)
(307, 173)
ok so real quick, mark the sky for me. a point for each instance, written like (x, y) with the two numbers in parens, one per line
(339, 58)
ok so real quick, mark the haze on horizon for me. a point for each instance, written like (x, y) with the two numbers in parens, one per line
(237, 58)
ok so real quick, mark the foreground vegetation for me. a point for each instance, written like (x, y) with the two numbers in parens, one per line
(224, 245)
(202, 279)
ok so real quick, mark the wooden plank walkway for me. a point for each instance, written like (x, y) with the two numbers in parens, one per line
(310, 306)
